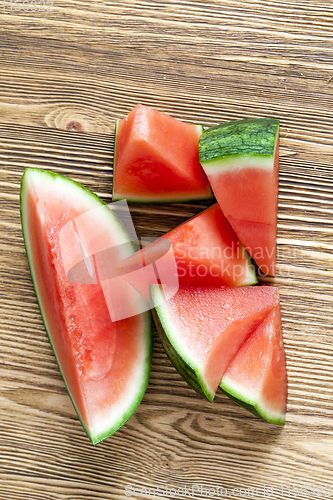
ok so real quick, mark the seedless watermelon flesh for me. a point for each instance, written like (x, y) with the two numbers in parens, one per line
(206, 250)
(241, 160)
(156, 159)
(105, 364)
(209, 253)
(257, 376)
(202, 328)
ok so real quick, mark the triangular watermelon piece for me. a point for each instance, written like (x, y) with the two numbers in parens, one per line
(206, 250)
(105, 364)
(257, 376)
(156, 159)
(241, 160)
(202, 328)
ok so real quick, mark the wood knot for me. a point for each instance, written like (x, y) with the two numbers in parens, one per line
(75, 126)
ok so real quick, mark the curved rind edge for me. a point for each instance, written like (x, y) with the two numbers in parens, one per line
(254, 407)
(190, 374)
(140, 392)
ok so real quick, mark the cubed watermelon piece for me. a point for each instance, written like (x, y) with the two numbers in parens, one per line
(156, 159)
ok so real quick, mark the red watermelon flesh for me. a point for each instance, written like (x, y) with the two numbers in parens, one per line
(264, 253)
(105, 364)
(156, 159)
(248, 198)
(203, 328)
(207, 253)
(257, 376)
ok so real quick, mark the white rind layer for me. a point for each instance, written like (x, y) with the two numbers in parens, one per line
(251, 398)
(239, 163)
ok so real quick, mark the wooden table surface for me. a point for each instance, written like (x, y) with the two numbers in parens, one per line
(66, 74)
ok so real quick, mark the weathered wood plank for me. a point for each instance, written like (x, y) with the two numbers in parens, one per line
(65, 76)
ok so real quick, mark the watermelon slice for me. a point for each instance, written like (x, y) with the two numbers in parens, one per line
(202, 328)
(257, 376)
(156, 159)
(105, 364)
(241, 160)
(207, 253)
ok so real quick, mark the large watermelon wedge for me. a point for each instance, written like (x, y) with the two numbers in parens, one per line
(241, 160)
(156, 159)
(202, 328)
(105, 364)
(257, 376)
(207, 253)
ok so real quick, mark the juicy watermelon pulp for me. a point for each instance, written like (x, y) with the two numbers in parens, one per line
(257, 377)
(206, 250)
(156, 159)
(241, 160)
(202, 328)
(209, 253)
(105, 364)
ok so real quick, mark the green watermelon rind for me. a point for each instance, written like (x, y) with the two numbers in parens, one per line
(255, 407)
(186, 368)
(153, 198)
(250, 138)
(147, 326)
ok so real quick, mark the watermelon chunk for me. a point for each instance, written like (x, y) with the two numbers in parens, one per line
(105, 364)
(257, 376)
(202, 328)
(156, 159)
(241, 160)
(207, 253)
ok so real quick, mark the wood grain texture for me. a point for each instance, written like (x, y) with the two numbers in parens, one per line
(65, 76)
